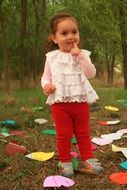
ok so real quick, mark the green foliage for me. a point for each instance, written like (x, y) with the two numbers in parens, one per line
(99, 28)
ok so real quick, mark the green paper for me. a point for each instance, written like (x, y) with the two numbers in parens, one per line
(37, 108)
(122, 102)
(49, 132)
(75, 163)
(5, 132)
(73, 141)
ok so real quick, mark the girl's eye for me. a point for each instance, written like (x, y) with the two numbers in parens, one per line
(75, 32)
(64, 33)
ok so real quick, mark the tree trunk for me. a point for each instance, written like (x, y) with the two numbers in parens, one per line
(110, 68)
(39, 8)
(22, 39)
(5, 51)
(111, 71)
(123, 30)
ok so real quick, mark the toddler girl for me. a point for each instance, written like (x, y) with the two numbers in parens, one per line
(65, 81)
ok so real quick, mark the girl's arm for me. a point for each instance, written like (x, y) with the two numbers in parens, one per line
(86, 64)
(83, 59)
(46, 77)
(46, 84)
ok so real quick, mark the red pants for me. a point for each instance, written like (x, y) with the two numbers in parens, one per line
(69, 119)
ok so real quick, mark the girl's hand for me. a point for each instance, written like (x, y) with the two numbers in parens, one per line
(49, 89)
(75, 50)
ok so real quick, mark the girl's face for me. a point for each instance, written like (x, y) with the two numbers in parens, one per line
(66, 35)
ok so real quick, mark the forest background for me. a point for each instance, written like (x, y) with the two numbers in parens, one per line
(24, 28)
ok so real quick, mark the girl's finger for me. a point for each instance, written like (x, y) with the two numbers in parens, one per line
(75, 45)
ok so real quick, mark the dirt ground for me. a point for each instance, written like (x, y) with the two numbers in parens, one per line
(25, 174)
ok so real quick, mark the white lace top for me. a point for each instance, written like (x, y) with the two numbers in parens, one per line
(67, 74)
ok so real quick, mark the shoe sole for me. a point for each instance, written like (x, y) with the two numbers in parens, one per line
(87, 171)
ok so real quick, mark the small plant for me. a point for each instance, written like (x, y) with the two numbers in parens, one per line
(29, 122)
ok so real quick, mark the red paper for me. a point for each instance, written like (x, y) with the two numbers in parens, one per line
(17, 133)
(13, 148)
(119, 178)
(102, 123)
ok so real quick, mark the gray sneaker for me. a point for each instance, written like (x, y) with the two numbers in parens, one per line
(66, 169)
(92, 166)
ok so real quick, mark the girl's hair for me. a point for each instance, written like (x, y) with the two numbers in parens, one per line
(60, 17)
(53, 27)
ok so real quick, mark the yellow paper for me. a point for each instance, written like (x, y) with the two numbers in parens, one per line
(117, 149)
(42, 156)
(111, 108)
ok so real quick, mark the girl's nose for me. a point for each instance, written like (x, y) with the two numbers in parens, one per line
(70, 36)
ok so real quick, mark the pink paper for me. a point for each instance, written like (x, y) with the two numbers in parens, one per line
(101, 142)
(57, 181)
(74, 154)
(94, 146)
(123, 131)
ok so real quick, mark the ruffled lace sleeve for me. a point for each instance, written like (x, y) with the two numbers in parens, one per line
(46, 77)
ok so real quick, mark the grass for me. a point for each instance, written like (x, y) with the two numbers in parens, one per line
(25, 174)
(111, 95)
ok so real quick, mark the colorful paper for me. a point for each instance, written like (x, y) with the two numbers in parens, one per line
(49, 132)
(123, 102)
(13, 148)
(40, 156)
(111, 108)
(124, 165)
(9, 123)
(5, 132)
(17, 133)
(119, 178)
(73, 141)
(117, 149)
(3, 140)
(101, 142)
(124, 152)
(108, 122)
(39, 108)
(112, 136)
(74, 154)
(123, 131)
(94, 146)
(41, 121)
(75, 163)
(58, 181)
